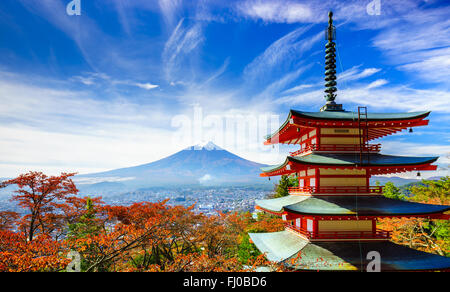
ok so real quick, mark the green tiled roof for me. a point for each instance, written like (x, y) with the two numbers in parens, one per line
(353, 256)
(278, 245)
(300, 254)
(276, 205)
(361, 205)
(375, 159)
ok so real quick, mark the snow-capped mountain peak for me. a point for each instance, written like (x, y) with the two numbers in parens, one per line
(204, 146)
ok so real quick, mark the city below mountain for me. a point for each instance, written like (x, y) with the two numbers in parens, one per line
(204, 174)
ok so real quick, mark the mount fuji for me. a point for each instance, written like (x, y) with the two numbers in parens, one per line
(201, 164)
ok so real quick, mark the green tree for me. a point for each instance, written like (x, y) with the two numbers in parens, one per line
(286, 182)
(392, 192)
(88, 223)
(438, 191)
(86, 226)
(247, 250)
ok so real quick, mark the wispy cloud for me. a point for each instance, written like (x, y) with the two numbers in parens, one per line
(281, 55)
(377, 83)
(355, 73)
(346, 77)
(57, 130)
(169, 9)
(420, 149)
(182, 42)
(277, 11)
(374, 94)
(419, 44)
(432, 65)
(92, 78)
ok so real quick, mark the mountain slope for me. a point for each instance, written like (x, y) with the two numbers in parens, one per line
(200, 164)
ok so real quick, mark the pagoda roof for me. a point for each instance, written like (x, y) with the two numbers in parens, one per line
(345, 160)
(276, 205)
(362, 206)
(347, 205)
(379, 124)
(300, 254)
(346, 115)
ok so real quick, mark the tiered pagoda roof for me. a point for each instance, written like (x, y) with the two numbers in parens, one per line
(300, 254)
(349, 205)
(379, 163)
(331, 216)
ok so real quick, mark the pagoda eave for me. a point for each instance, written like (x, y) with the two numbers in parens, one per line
(379, 126)
(292, 216)
(298, 253)
(349, 207)
(373, 169)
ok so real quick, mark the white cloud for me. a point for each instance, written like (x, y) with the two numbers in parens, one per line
(419, 44)
(205, 178)
(378, 97)
(281, 55)
(277, 11)
(56, 130)
(432, 65)
(355, 73)
(92, 78)
(169, 9)
(146, 86)
(94, 180)
(377, 83)
(418, 149)
(298, 88)
(181, 44)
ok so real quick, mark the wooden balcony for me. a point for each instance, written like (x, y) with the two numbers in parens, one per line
(336, 190)
(341, 235)
(344, 148)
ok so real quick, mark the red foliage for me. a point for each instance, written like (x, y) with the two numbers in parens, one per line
(19, 255)
(41, 195)
(8, 220)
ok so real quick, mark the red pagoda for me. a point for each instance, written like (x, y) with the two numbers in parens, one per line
(331, 216)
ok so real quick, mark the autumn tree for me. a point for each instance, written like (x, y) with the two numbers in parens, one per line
(8, 220)
(141, 237)
(421, 233)
(17, 254)
(432, 191)
(41, 196)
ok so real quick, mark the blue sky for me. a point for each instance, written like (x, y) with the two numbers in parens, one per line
(122, 84)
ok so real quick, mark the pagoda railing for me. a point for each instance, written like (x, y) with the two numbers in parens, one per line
(338, 148)
(337, 189)
(340, 235)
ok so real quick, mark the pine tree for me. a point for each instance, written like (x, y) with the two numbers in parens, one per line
(282, 188)
(392, 192)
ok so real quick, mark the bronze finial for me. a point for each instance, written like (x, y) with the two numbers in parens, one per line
(330, 66)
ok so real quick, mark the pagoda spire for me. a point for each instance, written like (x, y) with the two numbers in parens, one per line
(330, 68)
